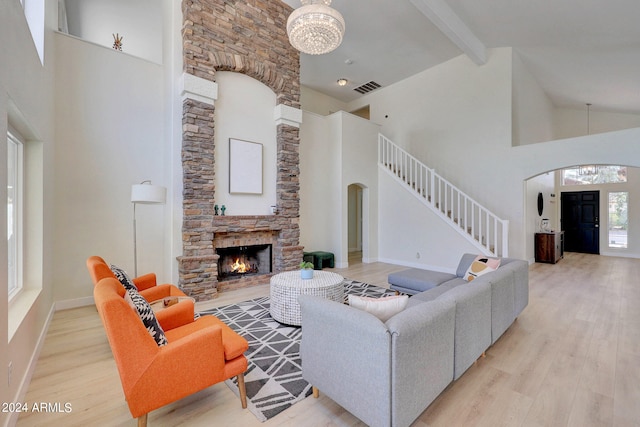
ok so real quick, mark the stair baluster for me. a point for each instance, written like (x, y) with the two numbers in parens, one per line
(482, 228)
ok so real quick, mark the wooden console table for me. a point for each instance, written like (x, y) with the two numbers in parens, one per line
(549, 246)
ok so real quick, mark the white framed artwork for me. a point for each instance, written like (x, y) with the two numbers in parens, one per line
(245, 167)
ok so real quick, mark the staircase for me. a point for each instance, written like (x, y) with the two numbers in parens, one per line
(477, 224)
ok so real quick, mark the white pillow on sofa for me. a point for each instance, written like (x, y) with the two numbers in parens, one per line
(383, 308)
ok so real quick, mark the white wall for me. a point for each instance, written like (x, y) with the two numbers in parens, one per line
(245, 110)
(457, 118)
(320, 181)
(570, 122)
(138, 21)
(532, 109)
(412, 235)
(172, 52)
(319, 103)
(335, 152)
(544, 183)
(359, 140)
(110, 134)
(26, 100)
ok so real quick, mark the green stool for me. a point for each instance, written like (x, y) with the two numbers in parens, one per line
(320, 259)
(307, 257)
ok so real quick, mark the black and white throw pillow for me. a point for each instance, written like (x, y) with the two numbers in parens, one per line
(147, 316)
(123, 277)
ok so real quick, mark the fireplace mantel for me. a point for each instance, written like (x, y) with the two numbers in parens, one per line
(240, 223)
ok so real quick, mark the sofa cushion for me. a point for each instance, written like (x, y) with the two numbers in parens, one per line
(436, 292)
(502, 301)
(415, 280)
(123, 277)
(481, 265)
(234, 344)
(383, 308)
(473, 322)
(147, 316)
(520, 270)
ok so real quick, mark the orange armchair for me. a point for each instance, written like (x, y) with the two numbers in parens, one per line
(146, 284)
(176, 315)
(199, 353)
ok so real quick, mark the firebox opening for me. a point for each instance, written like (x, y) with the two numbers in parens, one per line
(240, 261)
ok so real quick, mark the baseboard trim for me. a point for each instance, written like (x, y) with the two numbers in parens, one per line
(26, 379)
(620, 254)
(417, 265)
(73, 303)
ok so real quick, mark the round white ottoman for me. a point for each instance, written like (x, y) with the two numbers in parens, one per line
(285, 288)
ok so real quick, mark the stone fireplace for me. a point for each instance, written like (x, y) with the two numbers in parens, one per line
(245, 37)
(252, 246)
(243, 261)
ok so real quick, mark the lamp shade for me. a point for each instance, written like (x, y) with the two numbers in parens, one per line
(147, 193)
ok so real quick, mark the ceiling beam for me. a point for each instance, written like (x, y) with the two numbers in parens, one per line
(452, 26)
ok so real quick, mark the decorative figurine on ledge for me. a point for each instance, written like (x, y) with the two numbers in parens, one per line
(215, 210)
(223, 208)
(117, 41)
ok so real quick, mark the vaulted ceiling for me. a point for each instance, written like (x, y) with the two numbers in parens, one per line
(580, 51)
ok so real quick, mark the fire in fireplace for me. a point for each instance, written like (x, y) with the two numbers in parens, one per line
(240, 261)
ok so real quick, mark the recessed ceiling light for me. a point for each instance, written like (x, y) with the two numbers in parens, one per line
(342, 82)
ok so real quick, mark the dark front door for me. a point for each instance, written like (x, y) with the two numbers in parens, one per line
(581, 221)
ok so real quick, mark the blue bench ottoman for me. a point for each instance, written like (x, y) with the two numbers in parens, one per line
(415, 280)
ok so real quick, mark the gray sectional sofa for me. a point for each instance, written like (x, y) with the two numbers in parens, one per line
(388, 373)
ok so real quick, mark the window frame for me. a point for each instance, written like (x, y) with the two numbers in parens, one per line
(564, 175)
(15, 275)
(609, 243)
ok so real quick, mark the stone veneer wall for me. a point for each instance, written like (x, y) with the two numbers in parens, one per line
(247, 37)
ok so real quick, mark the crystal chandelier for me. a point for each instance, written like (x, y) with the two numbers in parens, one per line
(315, 28)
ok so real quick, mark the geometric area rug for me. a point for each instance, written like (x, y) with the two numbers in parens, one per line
(274, 374)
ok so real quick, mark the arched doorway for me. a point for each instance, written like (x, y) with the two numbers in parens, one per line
(619, 213)
(355, 219)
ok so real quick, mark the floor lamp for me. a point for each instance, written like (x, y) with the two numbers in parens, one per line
(147, 194)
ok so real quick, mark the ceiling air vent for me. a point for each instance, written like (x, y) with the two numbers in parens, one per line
(367, 87)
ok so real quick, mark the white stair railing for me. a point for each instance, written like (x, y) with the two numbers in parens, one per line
(481, 227)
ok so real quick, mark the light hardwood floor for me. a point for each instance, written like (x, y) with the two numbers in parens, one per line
(572, 358)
